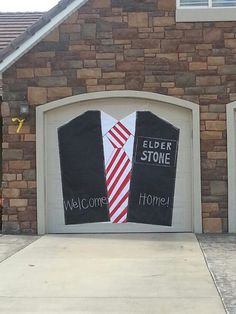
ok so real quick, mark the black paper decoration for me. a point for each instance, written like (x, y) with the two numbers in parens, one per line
(154, 170)
(152, 185)
(82, 169)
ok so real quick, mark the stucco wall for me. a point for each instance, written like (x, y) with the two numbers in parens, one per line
(118, 45)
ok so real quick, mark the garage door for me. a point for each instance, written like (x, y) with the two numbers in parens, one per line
(231, 156)
(118, 108)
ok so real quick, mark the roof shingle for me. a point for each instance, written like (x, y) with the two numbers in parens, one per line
(13, 24)
(35, 27)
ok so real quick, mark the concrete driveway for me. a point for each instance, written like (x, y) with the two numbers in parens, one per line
(122, 273)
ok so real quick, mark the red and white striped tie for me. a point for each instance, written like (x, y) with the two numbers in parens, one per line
(118, 173)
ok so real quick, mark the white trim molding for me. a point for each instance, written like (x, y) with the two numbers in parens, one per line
(40, 34)
(40, 145)
(0, 84)
(231, 155)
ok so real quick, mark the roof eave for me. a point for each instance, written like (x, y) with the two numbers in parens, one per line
(40, 34)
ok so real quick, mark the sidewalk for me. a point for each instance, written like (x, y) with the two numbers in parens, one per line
(112, 273)
(220, 254)
(10, 244)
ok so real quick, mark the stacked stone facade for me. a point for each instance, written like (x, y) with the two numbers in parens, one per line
(122, 45)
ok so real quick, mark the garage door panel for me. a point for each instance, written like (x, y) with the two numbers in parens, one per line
(181, 185)
(179, 117)
(57, 227)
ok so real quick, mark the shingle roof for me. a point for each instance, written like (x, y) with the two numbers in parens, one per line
(35, 27)
(13, 24)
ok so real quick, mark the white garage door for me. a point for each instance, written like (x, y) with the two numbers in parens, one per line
(119, 108)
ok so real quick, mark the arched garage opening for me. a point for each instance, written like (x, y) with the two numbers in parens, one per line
(182, 114)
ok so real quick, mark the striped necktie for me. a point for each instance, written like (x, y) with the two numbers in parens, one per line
(118, 173)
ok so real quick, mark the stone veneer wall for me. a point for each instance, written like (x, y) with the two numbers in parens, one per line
(118, 45)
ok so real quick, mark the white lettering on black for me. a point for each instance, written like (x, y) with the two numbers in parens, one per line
(156, 151)
(153, 200)
(156, 157)
(85, 203)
